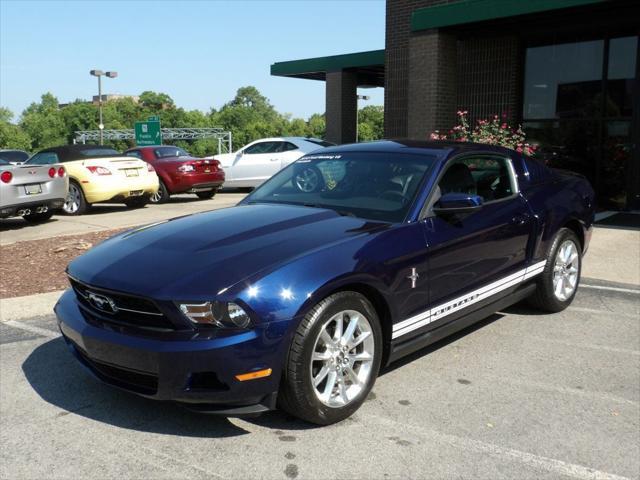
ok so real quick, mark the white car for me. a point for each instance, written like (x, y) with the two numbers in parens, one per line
(260, 160)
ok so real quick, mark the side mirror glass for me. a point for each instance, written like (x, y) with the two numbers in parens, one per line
(457, 203)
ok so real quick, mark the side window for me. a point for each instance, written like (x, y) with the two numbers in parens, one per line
(44, 158)
(287, 147)
(262, 147)
(488, 176)
(134, 153)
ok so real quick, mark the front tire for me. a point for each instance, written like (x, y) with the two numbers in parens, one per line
(162, 195)
(75, 203)
(333, 360)
(558, 283)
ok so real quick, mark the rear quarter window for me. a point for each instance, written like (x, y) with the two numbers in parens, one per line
(538, 173)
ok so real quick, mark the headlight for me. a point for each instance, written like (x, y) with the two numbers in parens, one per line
(216, 314)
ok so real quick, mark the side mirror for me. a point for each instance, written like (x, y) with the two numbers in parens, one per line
(457, 203)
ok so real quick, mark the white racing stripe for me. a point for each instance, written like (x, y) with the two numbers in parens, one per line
(452, 306)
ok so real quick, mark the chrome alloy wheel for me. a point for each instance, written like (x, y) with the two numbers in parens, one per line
(342, 358)
(566, 270)
(155, 198)
(307, 180)
(72, 202)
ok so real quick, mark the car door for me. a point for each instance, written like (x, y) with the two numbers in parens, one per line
(478, 256)
(257, 163)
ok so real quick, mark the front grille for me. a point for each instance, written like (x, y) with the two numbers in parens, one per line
(140, 382)
(120, 308)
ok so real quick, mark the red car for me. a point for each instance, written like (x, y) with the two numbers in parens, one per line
(179, 172)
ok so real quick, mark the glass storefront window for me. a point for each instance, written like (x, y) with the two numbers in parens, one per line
(620, 75)
(582, 121)
(563, 80)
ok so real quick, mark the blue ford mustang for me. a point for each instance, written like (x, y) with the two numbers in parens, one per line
(343, 262)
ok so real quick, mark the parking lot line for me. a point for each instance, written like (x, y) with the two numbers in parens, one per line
(33, 329)
(602, 312)
(552, 465)
(610, 289)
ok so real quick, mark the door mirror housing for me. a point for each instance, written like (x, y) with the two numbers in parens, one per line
(457, 203)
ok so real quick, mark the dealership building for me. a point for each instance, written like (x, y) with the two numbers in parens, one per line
(567, 70)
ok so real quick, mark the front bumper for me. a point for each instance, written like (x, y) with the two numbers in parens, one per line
(198, 373)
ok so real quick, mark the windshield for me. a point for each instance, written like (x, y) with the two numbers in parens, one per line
(375, 186)
(164, 152)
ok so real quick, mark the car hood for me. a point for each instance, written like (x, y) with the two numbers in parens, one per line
(196, 256)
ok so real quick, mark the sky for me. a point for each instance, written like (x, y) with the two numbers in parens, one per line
(198, 52)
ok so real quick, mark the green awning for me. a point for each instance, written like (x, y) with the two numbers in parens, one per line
(471, 11)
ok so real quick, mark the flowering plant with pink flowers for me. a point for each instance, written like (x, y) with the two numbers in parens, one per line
(492, 132)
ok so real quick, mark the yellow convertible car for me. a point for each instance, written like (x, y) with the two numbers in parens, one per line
(100, 174)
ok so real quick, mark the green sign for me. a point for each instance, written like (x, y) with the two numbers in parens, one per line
(154, 118)
(148, 133)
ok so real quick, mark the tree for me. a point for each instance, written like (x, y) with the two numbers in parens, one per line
(44, 124)
(12, 136)
(371, 123)
(316, 126)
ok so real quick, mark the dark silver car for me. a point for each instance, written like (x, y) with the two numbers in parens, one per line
(33, 192)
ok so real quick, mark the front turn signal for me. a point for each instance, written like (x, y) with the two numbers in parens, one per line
(243, 377)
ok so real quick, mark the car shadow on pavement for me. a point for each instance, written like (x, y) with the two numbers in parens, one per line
(61, 381)
(18, 223)
(440, 344)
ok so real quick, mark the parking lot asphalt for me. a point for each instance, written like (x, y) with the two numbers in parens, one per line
(520, 395)
(109, 216)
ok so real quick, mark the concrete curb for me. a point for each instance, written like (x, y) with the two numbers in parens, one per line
(17, 308)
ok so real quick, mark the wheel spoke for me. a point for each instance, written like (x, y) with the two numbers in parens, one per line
(328, 388)
(339, 326)
(361, 357)
(351, 329)
(342, 387)
(317, 380)
(357, 341)
(326, 338)
(353, 377)
(320, 356)
(559, 287)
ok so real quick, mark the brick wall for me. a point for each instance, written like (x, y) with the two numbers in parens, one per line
(431, 103)
(398, 29)
(489, 77)
(341, 107)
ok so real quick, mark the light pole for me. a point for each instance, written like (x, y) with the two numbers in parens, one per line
(99, 74)
(359, 97)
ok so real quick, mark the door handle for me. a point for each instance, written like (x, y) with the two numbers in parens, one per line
(275, 159)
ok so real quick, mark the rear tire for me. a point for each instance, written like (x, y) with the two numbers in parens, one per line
(207, 195)
(162, 196)
(38, 217)
(331, 369)
(558, 283)
(75, 203)
(137, 202)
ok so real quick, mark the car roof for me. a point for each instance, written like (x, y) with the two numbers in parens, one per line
(68, 153)
(444, 148)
